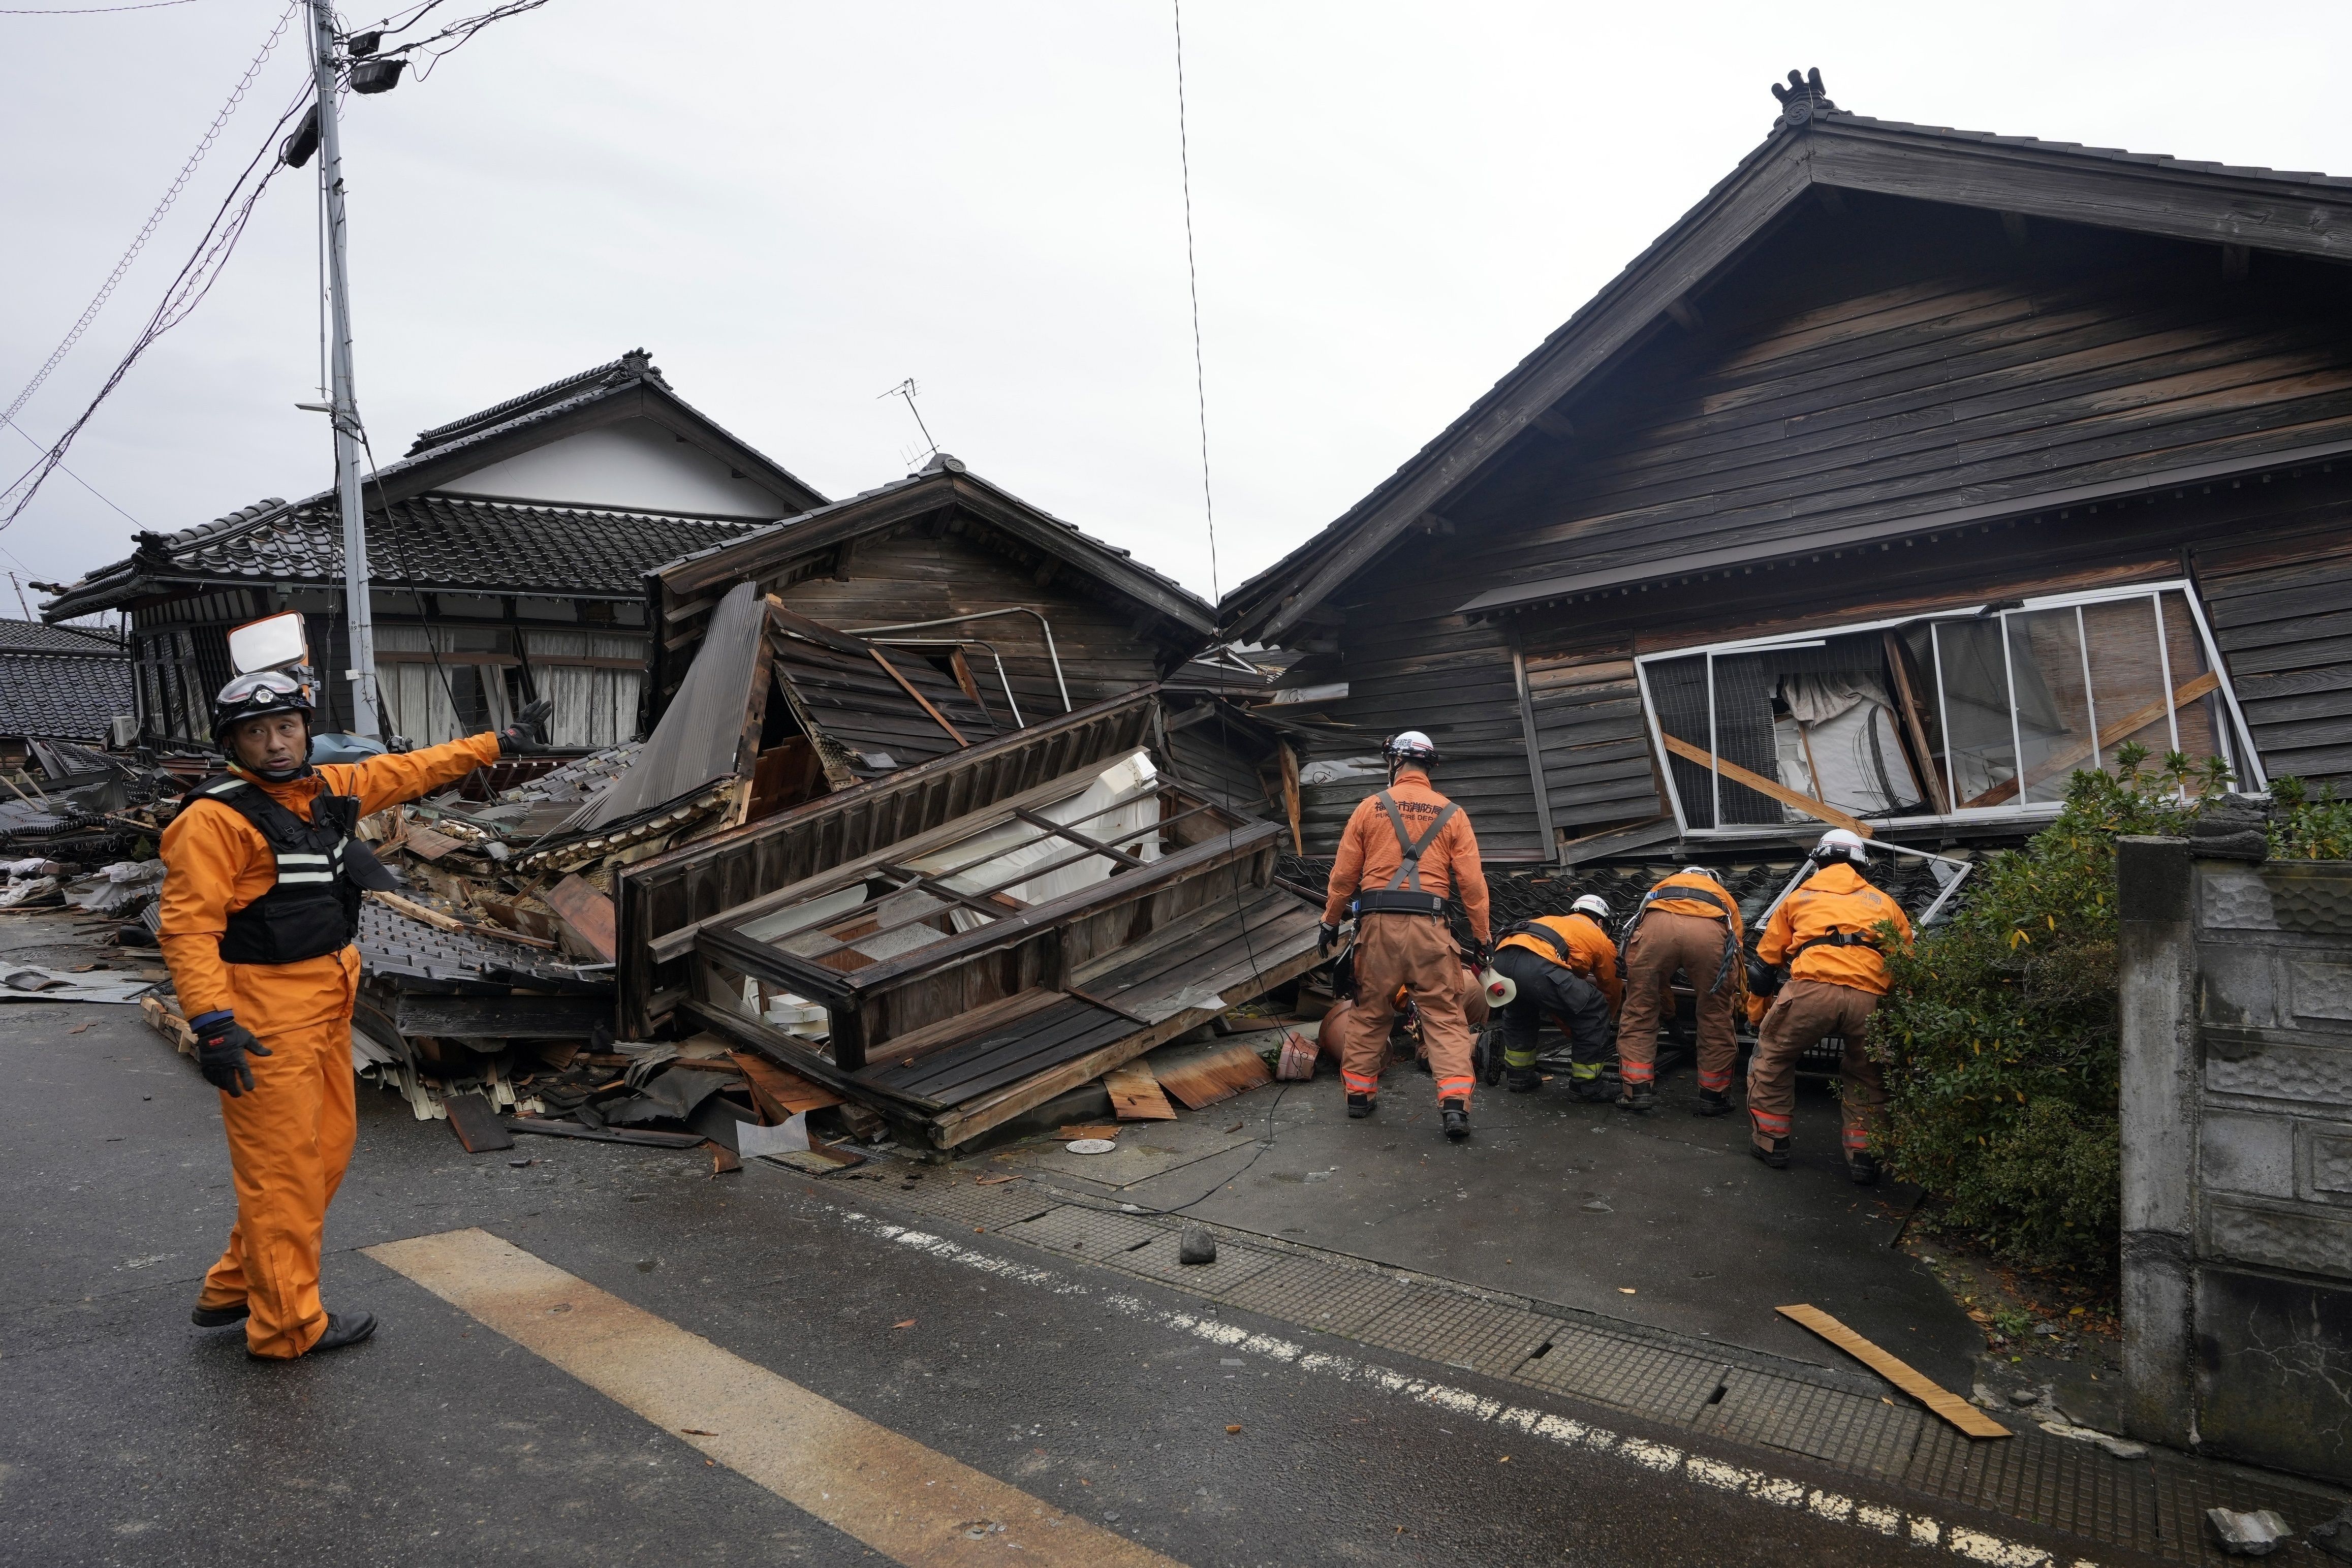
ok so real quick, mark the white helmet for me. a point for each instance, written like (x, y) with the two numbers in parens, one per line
(1696, 871)
(1411, 746)
(1592, 904)
(1838, 844)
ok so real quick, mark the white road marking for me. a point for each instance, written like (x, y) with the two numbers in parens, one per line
(880, 1487)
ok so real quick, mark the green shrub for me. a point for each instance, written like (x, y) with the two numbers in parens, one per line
(2000, 1032)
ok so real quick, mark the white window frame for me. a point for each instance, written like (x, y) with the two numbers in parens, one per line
(2239, 741)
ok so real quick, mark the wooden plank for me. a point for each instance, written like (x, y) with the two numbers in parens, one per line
(440, 921)
(2109, 734)
(1765, 786)
(603, 1134)
(1288, 757)
(477, 1125)
(585, 913)
(1206, 1079)
(1136, 1095)
(966, 1026)
(499, 1017)
(1944, 1403)
(1913, 725)
(779, 1094)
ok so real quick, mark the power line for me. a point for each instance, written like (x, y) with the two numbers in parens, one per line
(100, 10)
(187, 290)
(139, 242)
(71, 475)
(1191, 271)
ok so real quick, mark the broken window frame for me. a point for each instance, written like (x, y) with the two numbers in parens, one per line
(2231, 733)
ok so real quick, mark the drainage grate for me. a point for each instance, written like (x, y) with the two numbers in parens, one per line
(1157, 1260)
(1314, 1294)
(1484, 1336)
(1625, 1373)
(2055, 1482)
(1085, 1233)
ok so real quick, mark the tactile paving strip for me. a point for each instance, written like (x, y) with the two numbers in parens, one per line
(969, 1206)
(2179, 1497)
(1085, 1233)
(1461, 1331)
(2057, 1481)
(1625, 1373)
(1314, 1294)
(1849, 1431)
(1235, 1263)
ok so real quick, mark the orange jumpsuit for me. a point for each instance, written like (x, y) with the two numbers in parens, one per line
(1831, 990)
(1685, 934)
(290, 1136)
(1415, 953)
(1582, 993)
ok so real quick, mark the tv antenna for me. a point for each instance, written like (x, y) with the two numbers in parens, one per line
(908, 389)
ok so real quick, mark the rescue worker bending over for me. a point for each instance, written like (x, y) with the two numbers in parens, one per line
(1825, 934)
(261, 901)
(1687, 921)
(1565, 965)
(1403, 852)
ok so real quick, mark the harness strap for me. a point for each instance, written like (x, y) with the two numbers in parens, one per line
(1839, 939)
(1553, 940)
(1408, 871)
(1726, 972)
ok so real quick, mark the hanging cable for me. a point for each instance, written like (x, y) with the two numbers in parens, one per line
(146, 231)
(186, 291)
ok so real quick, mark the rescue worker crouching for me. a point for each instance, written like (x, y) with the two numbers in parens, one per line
(1826, 935)
(1564, 965)
(1690, 923)
(260, 906)
(1403, 852)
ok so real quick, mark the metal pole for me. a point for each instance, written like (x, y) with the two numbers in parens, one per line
(361, 671)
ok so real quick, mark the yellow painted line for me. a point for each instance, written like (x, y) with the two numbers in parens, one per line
(887, 1490)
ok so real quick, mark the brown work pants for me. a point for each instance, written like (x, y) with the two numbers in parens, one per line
(1664, 943)
(1805, 1013)
(1415, 953)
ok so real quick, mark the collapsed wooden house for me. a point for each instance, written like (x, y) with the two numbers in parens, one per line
(959, 941)
(1911, 470)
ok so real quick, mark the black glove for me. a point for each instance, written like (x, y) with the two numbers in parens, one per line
(222, 1046)
(528, 734)
(1325, 939)
(1477, 956)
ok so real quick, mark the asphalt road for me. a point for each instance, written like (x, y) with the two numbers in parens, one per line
(128, 1437)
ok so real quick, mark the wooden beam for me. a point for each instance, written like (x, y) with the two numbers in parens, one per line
(1684, 314)
(1765, 786)
(924, 702)
(2109, 734)
(1912, 724)
(1290, 805)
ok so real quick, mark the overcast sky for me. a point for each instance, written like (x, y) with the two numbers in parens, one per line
(796, 207)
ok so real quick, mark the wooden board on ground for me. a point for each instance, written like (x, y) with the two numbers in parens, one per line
(603, 1134)
(476, 1124)
(1942, 1401)
(1072, 1134)
(779, 1094)
(1201, 1079)
(1135, 1094)
(164, 1019)
(586, 913)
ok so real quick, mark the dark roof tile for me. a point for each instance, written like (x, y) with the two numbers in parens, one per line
(67, 697)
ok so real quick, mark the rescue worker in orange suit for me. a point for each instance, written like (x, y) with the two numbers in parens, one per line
(1687, 922)
(260, 905)
(1825, 938)
(1564, 965)
(1403, 852)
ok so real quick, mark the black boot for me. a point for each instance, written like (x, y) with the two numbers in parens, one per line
(1455, 1115)
(1863, 1166)
(219, 1317)
(1639, 1096)
(342, 1328)
(1486, 1060)
(1777, 1156)
(1711, 1102)
(1523, 1080)
(1587, 1089)
(1359, 1107)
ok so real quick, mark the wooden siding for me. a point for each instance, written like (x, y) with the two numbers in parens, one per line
(2285, 633)
(1897, 360)
(1596, 749)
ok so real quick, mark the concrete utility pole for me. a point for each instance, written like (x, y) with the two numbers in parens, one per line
(357, 614)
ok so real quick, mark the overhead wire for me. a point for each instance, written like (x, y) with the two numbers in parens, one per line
(98, 10)
(186, 291)
(171, 195)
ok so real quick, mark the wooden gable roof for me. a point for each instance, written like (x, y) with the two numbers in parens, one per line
(1818, 150)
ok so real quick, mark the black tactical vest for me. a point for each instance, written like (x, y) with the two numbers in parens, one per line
(314, 908)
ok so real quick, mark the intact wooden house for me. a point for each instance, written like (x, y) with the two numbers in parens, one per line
(507, 548)
(1910, 470)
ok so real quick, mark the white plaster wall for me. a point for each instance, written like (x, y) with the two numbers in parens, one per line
(635, 464)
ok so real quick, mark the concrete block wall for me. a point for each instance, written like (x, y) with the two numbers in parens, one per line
(2237, 1117)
